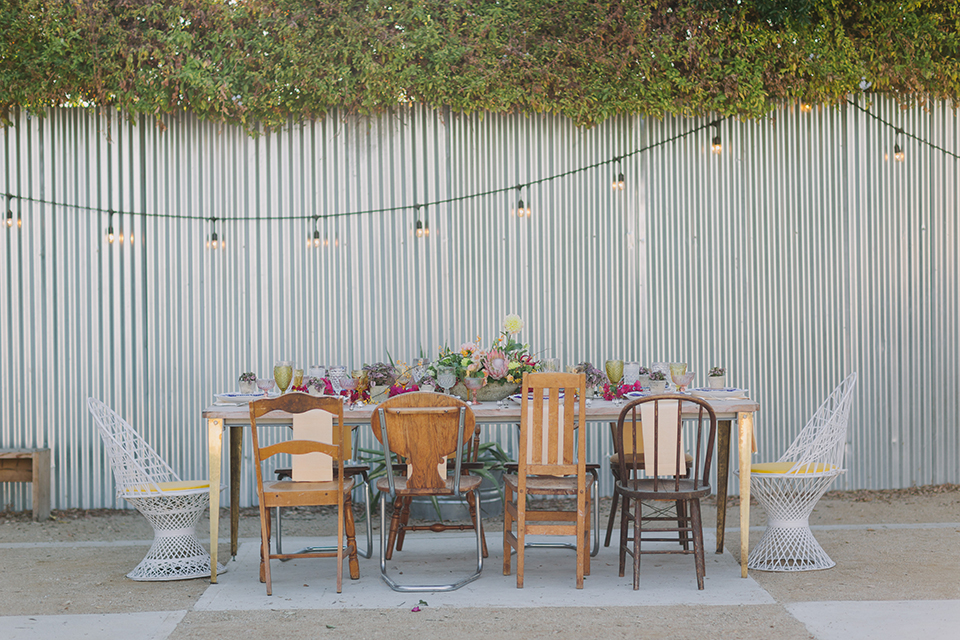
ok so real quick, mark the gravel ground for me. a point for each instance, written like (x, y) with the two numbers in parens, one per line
(876, 562)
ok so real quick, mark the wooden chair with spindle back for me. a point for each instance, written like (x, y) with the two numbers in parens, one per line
(662, 476)
(551, 462)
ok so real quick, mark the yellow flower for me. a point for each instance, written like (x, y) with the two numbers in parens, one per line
(512, 324)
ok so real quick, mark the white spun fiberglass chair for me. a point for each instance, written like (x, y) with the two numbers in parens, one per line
(171, 505)
(789, 488)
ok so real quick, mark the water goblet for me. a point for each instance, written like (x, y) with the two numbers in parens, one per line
(337, 374)
(283, 374)
(446, 378)
(317, 371)
(474, 383)
(420, 369)
(683, 380)
(677, 369)
(265, 384)
(298, 377)
(551, 364)
(614, 370)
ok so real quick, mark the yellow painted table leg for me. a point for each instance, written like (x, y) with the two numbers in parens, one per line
(215, 444)
(745, 428)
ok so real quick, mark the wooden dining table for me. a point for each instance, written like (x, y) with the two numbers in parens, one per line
(237, 418)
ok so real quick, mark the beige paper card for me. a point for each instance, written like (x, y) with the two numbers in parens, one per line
(666, 439)
(316, 425)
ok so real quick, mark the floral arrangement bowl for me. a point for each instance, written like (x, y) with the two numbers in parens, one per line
(248, 382)
(502, 365)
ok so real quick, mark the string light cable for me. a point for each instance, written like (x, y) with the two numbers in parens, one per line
(396, 208)
(906, 134)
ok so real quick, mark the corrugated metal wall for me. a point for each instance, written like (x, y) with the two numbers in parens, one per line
(799, 254)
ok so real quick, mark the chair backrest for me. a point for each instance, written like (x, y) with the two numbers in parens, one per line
(137, 468)
(298, 403)
(664, 453)
(552, 424)
(424, 428)
(823, 440)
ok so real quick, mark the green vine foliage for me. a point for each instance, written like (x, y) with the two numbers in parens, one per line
(262, 62)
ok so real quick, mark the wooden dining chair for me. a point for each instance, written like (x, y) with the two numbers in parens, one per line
(551, 463)
(623, 504)
(400, 523)
(290, 493)
(663, 475)
(424, 429)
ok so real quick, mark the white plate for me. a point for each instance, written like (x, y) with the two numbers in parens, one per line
(719, 393)
(518, 398)
(238, 398)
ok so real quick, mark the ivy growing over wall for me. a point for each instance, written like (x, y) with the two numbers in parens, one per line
(261, 62)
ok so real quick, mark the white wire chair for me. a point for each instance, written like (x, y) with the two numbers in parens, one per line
(789, 488)
(172, 506)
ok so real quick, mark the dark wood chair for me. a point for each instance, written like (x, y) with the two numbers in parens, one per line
(659, 480)
(551, 462)
(624, 504)
(289, 493)
(424, 429)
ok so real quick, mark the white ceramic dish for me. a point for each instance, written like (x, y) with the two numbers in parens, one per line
(238, 398)
(518, 398)
(719, 394)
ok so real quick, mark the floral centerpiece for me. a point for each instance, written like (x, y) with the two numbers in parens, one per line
(382, 377)
(502, 365)
(716, 379)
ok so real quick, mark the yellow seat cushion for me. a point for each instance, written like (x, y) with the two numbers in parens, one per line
(180, 485)
(784, 467)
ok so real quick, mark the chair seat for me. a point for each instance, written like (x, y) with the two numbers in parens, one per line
(783, 468)
(287, 493)
(642, 489)
(548, 485)
(467, 483)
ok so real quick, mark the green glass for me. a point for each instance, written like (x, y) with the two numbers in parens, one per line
(614, 370)
(283, 374)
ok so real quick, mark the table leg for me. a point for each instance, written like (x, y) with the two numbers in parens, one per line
(236, 449)
(723, 473)
(745, 428)
(214, 444)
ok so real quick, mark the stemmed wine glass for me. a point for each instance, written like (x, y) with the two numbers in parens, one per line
(446, 378)
(265, 384)
(677, 369)
(683, 380)
(283, 374)
(337, 374)
(420, 369)
(474, 383)
(349, 384)
(614, 371)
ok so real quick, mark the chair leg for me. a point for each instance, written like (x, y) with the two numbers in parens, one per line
(279, 530)
(636, 544)
(613, 514)
(586, 533)
(350, 530)
(265, 549)
(477, 520)
(366, 506)
(394, 527)
(682, 524)
(404, 521)
(698, 541)
(521, 535)
(624, 536)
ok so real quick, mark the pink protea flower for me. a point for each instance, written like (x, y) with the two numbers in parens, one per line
(496, 364)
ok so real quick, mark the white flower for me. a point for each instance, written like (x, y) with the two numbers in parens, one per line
(512, 324)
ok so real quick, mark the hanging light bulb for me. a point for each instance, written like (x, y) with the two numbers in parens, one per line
(618, 184)
(110, 234)
(716, 146)
(419, 229)
(806, 107)
(120, 237)
(9, 217)
(214, 242)
(131, 237)
(897, 150)
(315, 241)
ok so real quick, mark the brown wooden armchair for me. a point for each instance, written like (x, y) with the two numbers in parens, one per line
(551, 463)
(423, 429)
(289, 493)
